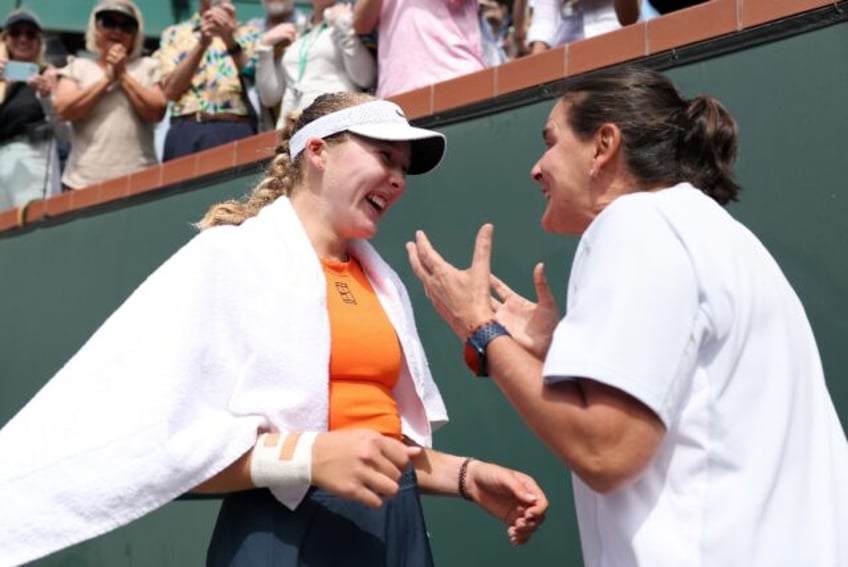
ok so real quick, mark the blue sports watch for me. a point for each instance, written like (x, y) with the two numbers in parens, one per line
(476, 343)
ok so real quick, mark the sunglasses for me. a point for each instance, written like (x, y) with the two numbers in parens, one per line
(110, 23)
(28, 33)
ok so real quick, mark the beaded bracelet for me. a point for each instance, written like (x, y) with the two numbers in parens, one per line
(463, 470)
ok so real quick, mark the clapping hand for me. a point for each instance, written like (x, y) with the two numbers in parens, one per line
(44, 83)
(220, 21)
(284, 33)
(116, 57)
(339, 15)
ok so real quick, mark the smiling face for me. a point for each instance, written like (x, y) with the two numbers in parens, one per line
(115, 28)
(23, 42)
(563, 171)
(349, 185)
(363, 179)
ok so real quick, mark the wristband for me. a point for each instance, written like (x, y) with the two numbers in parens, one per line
(282, 460)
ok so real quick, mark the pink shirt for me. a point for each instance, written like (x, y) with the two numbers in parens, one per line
(422, 42)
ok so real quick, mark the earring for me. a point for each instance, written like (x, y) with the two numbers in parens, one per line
(592, 171)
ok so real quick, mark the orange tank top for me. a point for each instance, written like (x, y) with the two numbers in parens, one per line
(365, 355)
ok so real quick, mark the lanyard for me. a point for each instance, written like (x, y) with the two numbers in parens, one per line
(305, 47)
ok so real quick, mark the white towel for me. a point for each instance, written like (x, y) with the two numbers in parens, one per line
(230, 335)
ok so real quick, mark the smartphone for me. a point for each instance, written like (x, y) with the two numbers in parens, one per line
(19, 70)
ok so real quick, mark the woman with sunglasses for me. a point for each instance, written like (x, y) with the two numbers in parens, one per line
(29, 165)
(113, 102)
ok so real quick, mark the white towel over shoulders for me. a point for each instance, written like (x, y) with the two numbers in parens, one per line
(228, 336)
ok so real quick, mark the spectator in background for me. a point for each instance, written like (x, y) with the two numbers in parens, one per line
(328, 57)
(56, 55)
(494, 31)
(202, 60)
(113, 102)
(280, 12)
(280, 26)
(557, 22)
(521, 16)
(444, 35)
(628, 11)
(29, 164)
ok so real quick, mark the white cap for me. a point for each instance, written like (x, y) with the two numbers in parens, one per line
(378, 120)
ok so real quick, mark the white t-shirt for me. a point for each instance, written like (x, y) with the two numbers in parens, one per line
(422, 42)
(676, 303)
(557, 22)
(325, 59)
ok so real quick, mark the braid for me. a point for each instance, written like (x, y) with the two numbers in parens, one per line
(276, 183)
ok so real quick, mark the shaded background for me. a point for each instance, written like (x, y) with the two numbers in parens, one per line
(59, 280)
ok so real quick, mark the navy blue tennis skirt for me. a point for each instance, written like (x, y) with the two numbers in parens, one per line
(255, 530)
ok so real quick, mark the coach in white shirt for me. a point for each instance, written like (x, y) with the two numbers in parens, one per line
(683, 387)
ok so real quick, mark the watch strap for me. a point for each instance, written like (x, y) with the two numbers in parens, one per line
(235, 49)
(477, 343)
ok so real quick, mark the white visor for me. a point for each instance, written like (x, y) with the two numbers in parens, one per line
(378, 120)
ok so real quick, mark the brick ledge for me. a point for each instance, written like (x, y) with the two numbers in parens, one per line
(702, 22)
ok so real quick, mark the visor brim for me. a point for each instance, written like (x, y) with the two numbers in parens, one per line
(427, 146)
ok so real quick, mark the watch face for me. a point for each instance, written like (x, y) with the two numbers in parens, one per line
(472, 358)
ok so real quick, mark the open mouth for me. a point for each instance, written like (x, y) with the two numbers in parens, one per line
(377, 201)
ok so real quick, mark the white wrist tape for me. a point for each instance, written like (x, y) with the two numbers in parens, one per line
(282, 459)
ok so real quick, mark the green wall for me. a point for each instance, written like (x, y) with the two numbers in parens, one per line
(72, 15)
(58, 282)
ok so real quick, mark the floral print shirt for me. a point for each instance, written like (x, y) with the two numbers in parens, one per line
(215, 87)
